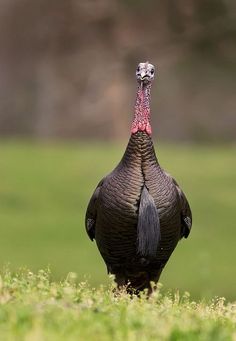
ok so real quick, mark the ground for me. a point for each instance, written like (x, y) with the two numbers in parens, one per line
(32, 307)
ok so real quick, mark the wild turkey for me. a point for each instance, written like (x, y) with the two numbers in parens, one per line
(138, 213)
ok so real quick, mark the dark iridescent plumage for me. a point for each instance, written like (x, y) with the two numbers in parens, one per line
(138, 213)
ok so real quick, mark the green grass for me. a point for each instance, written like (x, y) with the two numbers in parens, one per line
(45, 188)
(34, 308)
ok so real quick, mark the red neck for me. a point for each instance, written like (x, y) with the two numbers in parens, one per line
(141, 121)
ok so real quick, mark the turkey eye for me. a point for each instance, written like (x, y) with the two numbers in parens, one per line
(152, 71)
(138, 69)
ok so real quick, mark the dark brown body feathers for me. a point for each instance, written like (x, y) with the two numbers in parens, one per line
(137, 238)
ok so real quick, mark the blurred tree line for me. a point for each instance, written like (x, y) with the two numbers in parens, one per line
(67, 67)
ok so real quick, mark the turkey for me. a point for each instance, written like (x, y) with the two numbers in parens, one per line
(138, 213)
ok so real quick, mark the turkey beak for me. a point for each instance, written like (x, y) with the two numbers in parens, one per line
(142, 75)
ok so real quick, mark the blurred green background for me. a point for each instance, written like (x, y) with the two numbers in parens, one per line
(67, 89)
(46, 189)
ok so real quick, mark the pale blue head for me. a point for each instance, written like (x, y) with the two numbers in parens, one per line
(145, 72)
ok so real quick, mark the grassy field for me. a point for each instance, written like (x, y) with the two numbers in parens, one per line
(33, 308)
(45, 188)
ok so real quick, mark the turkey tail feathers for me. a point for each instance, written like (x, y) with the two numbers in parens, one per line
(148, 229)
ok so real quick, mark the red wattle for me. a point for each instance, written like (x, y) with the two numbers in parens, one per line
(142, 111)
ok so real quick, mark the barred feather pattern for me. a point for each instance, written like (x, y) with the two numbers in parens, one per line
(117, 215)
